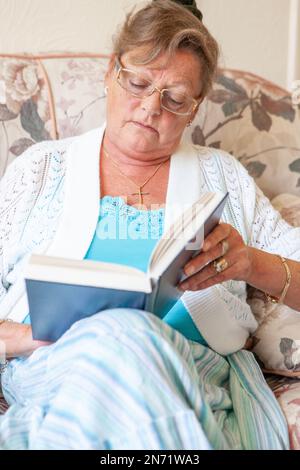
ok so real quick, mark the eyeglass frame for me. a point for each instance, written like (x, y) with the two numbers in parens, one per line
(154, 88)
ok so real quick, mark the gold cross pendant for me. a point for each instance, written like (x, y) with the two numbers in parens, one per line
(140, 194)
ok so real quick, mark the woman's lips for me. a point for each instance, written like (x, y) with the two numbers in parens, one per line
(144, 126)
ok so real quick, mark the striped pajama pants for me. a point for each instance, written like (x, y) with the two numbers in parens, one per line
(123, 379)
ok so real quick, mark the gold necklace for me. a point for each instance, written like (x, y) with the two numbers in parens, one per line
(140, 187)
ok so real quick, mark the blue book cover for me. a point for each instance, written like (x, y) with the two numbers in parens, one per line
(62, 291)
(54, 306)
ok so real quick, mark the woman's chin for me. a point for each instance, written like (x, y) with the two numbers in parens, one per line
(142, 143)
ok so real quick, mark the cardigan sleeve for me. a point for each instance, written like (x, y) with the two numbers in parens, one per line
(265, 228)
(27, 206)
(14, 188)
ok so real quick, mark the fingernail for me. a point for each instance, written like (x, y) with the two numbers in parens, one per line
(206, 246)
(190, 270)
(183, 286)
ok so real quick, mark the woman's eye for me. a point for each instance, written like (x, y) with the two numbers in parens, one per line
(137, 84)
(176, 101)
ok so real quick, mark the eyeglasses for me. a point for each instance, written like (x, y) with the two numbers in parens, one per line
(171, 100)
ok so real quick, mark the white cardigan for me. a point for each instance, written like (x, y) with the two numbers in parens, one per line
(49, 203)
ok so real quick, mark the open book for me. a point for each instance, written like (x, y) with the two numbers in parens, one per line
(61, 291)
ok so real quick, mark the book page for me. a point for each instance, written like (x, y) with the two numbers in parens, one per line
(86, 272)
(187, 233)
(180, 230)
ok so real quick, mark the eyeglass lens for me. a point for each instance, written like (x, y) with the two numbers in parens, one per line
(139, 86)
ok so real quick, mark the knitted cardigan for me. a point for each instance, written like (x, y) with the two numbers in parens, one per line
(49, 203)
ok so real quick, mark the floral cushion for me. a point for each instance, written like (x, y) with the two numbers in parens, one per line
(287, 392)
(255, 121)
(77, 86)
(24, 108)
(47, 98)
(277, 340)
(289, 207)
(61, 95)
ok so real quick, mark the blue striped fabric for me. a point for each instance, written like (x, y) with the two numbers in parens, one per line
(124, 379)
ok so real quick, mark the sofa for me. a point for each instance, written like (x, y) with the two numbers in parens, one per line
(61, 95)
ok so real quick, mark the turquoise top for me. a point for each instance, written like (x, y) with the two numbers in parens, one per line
(126, 235)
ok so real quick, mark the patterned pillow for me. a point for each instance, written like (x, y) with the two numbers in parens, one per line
(289, 207)
(287, 392)
(48, 97)
(24, 107)
(276, 342)
(255, 121)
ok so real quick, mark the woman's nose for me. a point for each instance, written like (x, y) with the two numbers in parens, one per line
(151, 104)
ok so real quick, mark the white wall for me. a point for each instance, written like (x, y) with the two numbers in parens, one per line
(55, 25)
(262, 36)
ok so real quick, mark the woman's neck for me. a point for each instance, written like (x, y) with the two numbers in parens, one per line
(135, 163)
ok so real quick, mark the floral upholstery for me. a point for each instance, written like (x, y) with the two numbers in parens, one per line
(287, 392)
(62, 95)
(255, 121)
(48, 98)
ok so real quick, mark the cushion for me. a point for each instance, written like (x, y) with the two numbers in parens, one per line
(257, 122)
(277, 339)
(289, 207)
(24, 108)
(287, 392)
(48, 97)
(77, 88)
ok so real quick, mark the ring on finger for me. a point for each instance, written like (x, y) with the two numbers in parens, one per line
(220, 265)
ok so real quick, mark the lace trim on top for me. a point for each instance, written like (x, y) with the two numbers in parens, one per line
(119, 220)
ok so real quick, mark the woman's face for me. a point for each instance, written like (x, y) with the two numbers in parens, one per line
(140, 126)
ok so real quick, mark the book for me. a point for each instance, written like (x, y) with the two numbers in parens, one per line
(61, 291)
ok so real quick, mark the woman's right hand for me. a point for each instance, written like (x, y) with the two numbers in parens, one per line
(17, 339)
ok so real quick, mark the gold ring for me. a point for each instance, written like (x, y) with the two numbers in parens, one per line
(225, 247)
(220, 265)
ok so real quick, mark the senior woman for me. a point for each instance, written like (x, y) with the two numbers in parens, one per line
(124, 378)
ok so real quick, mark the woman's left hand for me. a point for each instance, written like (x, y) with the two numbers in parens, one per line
(224, 256)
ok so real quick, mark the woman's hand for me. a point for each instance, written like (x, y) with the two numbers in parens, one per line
(17, 339)
(224, 246)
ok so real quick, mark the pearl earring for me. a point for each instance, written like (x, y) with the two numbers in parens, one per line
(189, 124)
(106, 90)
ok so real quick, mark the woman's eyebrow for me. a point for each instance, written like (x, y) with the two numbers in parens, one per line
(185, 82)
